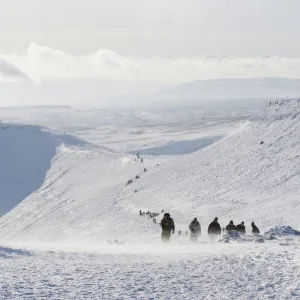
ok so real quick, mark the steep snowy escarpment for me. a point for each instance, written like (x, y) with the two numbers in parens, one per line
(25, 157)
(253, 174)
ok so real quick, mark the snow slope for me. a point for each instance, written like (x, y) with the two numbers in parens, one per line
(84, 199)
(26, 153)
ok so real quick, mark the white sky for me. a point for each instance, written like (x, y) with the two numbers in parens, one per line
(95, 49)
(154, 27)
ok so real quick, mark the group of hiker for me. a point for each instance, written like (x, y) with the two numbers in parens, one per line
(214, 228)
(130, 181)
(276, 102)
(150, 215)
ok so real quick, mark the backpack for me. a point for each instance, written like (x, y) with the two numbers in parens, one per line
(166, 224)
(195, 226)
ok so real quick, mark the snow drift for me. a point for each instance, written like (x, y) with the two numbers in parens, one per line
(253, 174)
(6, 252)
(282, 231)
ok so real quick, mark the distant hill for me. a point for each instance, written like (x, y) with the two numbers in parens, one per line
(234, 89)
(52, 107)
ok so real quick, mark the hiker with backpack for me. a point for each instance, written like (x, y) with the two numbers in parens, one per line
(195, 230)
(168, 226)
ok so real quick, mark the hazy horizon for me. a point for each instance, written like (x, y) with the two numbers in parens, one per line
(91, 52)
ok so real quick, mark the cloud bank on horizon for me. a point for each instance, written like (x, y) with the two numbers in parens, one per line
(41, 63)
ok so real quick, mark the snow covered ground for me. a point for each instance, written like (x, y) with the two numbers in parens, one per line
(203, 271)
(131, 129)
(80, 204)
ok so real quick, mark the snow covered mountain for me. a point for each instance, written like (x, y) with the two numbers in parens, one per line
(80, 193)
(77, 203)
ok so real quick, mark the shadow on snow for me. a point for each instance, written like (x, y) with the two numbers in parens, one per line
(25, 157)
(180, 147)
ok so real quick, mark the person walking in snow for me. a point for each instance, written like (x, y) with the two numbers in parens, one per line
(167, 226)
(195, 230)
(255, 229)
(230, 226)
(241, 228)
(214, 228)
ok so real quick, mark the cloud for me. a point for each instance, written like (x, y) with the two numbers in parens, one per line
(43, 63)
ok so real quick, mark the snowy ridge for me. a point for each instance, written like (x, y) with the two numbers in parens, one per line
(26, 155)
(253, 174)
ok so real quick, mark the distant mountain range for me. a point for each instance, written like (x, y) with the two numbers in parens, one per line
(234, 88)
